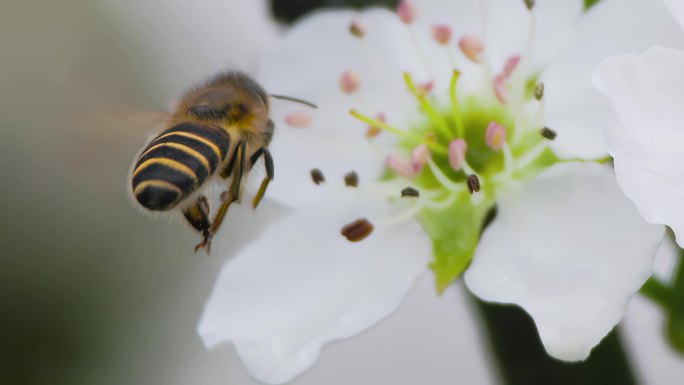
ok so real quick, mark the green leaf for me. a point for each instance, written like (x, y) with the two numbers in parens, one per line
(454, 232)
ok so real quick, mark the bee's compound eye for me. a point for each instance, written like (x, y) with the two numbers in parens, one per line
(156, 197)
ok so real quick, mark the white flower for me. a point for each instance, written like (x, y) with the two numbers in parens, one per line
(645, 132)
(566, 245)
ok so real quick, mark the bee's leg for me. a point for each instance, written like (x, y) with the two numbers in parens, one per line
(232, 196)
(268, 161)
(198, 216)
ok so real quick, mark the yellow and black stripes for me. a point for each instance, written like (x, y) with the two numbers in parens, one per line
(176, 163)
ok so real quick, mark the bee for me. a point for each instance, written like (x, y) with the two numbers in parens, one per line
(219, 130)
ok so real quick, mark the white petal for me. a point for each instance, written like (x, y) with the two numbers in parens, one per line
(302, 284)
(571, 250)
(645, 133)
(308, 65)
(677, 9)
(573, 108)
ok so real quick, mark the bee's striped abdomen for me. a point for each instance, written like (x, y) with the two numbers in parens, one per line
(176, 163)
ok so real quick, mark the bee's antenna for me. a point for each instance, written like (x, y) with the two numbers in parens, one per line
(296, 100)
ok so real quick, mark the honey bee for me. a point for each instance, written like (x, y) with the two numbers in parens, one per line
(218, 130)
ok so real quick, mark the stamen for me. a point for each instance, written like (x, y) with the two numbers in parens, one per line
(495, 136)
(356, 29)
(442, 178)
(472, 48)
(402, 217)
(456, 153)
(435, 118)
(358, 230)
(454, 104)
(419, 156)
(439, 205)
(548, 133)
(351, 179)
(409, 135)
(299, 119)
(510, 65)
(373, 131)
(539, 91)
(425, 87)
(349, 82)
(401, 166)
(317, 176)
(530, 156)
(406, 11)
(529, 4)
(410, 192)
(508, 161)
(500, 89)
(473, 183)
(441, 34)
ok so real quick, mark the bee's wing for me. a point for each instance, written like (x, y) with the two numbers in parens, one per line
(127, 120)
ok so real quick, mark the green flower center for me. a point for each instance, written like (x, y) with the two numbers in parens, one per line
(488, 140)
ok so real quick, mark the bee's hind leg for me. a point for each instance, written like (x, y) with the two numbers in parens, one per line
(268, 161)
(197, 215)
(233, 195)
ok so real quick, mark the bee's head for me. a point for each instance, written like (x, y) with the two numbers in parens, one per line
(227, 105)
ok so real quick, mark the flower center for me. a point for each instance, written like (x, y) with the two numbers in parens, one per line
(471, 144)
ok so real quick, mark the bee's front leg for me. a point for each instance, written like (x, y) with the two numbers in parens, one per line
(197, 215)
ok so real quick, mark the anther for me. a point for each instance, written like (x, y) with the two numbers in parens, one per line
(548, 133)
(299, 119)
(529, 4)
(317, 176)
(539, 91)
(406, 11)
(356, 29)
(373, 131)
(441, 34)
(500, 89)
(510, 65)
(473, 183)
(471, 47)
(349, 82)
(351, 179)
(358, 230)
(419, 157)
(401, 166)
(410, 192)
(425, 87)
(495, 136)
(456, 153)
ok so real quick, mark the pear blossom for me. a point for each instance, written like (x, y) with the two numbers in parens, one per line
(415, 145)
(644, 131)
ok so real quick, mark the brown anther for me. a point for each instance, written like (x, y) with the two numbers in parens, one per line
(351, 179)
(548, 133)
(356, 29)
(357, 230)
(410, 192)
(317, 176)
(539, 91)
(529, 4)
(473, 183)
